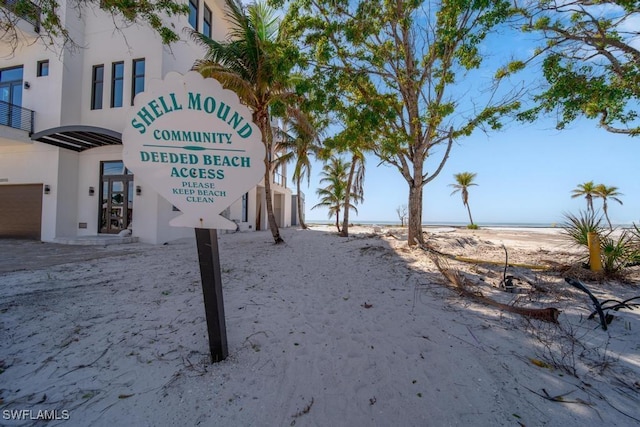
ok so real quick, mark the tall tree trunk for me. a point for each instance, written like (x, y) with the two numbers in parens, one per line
(338, 220)
(347, 200)
(606, 215)
(262, 118)
(415, 215)
(299, 205)
(273, 225)
(469, 210)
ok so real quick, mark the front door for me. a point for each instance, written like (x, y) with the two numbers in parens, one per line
(116, 197)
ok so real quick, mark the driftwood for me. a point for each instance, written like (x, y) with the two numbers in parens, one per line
(596, 304)
(428, 248)
(461, 284)
(601, 306)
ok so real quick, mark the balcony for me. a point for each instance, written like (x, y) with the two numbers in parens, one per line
(280, 179)
(16, 117)
(25, 10)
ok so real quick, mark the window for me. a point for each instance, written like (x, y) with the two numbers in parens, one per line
(114, 168)
(138, 78)
(11, 97)
(117, 84)
(245, 207)
(43, 68)
(193, 14)
(97, 84)
(206, 27)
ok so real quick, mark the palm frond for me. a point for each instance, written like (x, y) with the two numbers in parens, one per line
(265, 21)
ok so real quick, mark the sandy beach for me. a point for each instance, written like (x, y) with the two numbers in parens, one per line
(322, 331)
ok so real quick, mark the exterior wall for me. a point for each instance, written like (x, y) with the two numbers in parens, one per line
(145, 214)
(281, 199)
(43, 89)
(68, 79)
(165, 232)
(281, 205)
(33, 163)
(235, 212)
(151, 213)
(66, 194)
(63, 98)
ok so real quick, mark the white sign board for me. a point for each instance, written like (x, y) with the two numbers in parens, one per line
(196, 145)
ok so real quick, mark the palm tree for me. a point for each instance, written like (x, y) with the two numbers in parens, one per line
(298, 143)
(332, 196)
(464, 180)
(356, 140)
(354, 188)
(253, 64)
(588, 190)
(605, 193)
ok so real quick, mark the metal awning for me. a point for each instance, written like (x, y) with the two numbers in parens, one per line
(78, 138)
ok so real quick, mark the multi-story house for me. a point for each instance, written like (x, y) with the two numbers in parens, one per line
(62, 112)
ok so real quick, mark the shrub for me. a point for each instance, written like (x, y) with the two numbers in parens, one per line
(635, 237)
(578, 227)
(616, 252)
(472, 226)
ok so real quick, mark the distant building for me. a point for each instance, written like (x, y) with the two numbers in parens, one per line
(61, 118)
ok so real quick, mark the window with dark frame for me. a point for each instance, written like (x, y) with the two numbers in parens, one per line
(117, 84)
(97, 86)
(245, 207)
(137, 85)
(11, 83)
(43, 68)
(193, 14)
(206, 26)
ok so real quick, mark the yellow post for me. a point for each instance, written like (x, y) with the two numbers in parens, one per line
(594, 251)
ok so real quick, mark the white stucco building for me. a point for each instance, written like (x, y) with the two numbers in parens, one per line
(61, 117)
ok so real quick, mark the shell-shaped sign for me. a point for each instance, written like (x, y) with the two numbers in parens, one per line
(196, 145)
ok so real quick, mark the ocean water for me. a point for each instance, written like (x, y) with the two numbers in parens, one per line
(464, 224)
(444, 224)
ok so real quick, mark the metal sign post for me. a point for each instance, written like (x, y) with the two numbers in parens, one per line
(209, 257)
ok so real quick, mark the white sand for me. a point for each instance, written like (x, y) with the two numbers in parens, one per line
(322, 331)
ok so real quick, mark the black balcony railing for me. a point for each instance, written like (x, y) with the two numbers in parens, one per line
(26, 10)
(16, 117)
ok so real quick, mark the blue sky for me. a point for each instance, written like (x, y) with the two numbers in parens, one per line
(525, 174)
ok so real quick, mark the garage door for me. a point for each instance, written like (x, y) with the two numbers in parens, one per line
(21, 211)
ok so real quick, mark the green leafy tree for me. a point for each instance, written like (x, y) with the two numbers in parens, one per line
(45, 16)
(255, 63)
(332, 196)
(591, 61)
(464, 180)
(605, 193)
(588, 190)
(400, 70)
